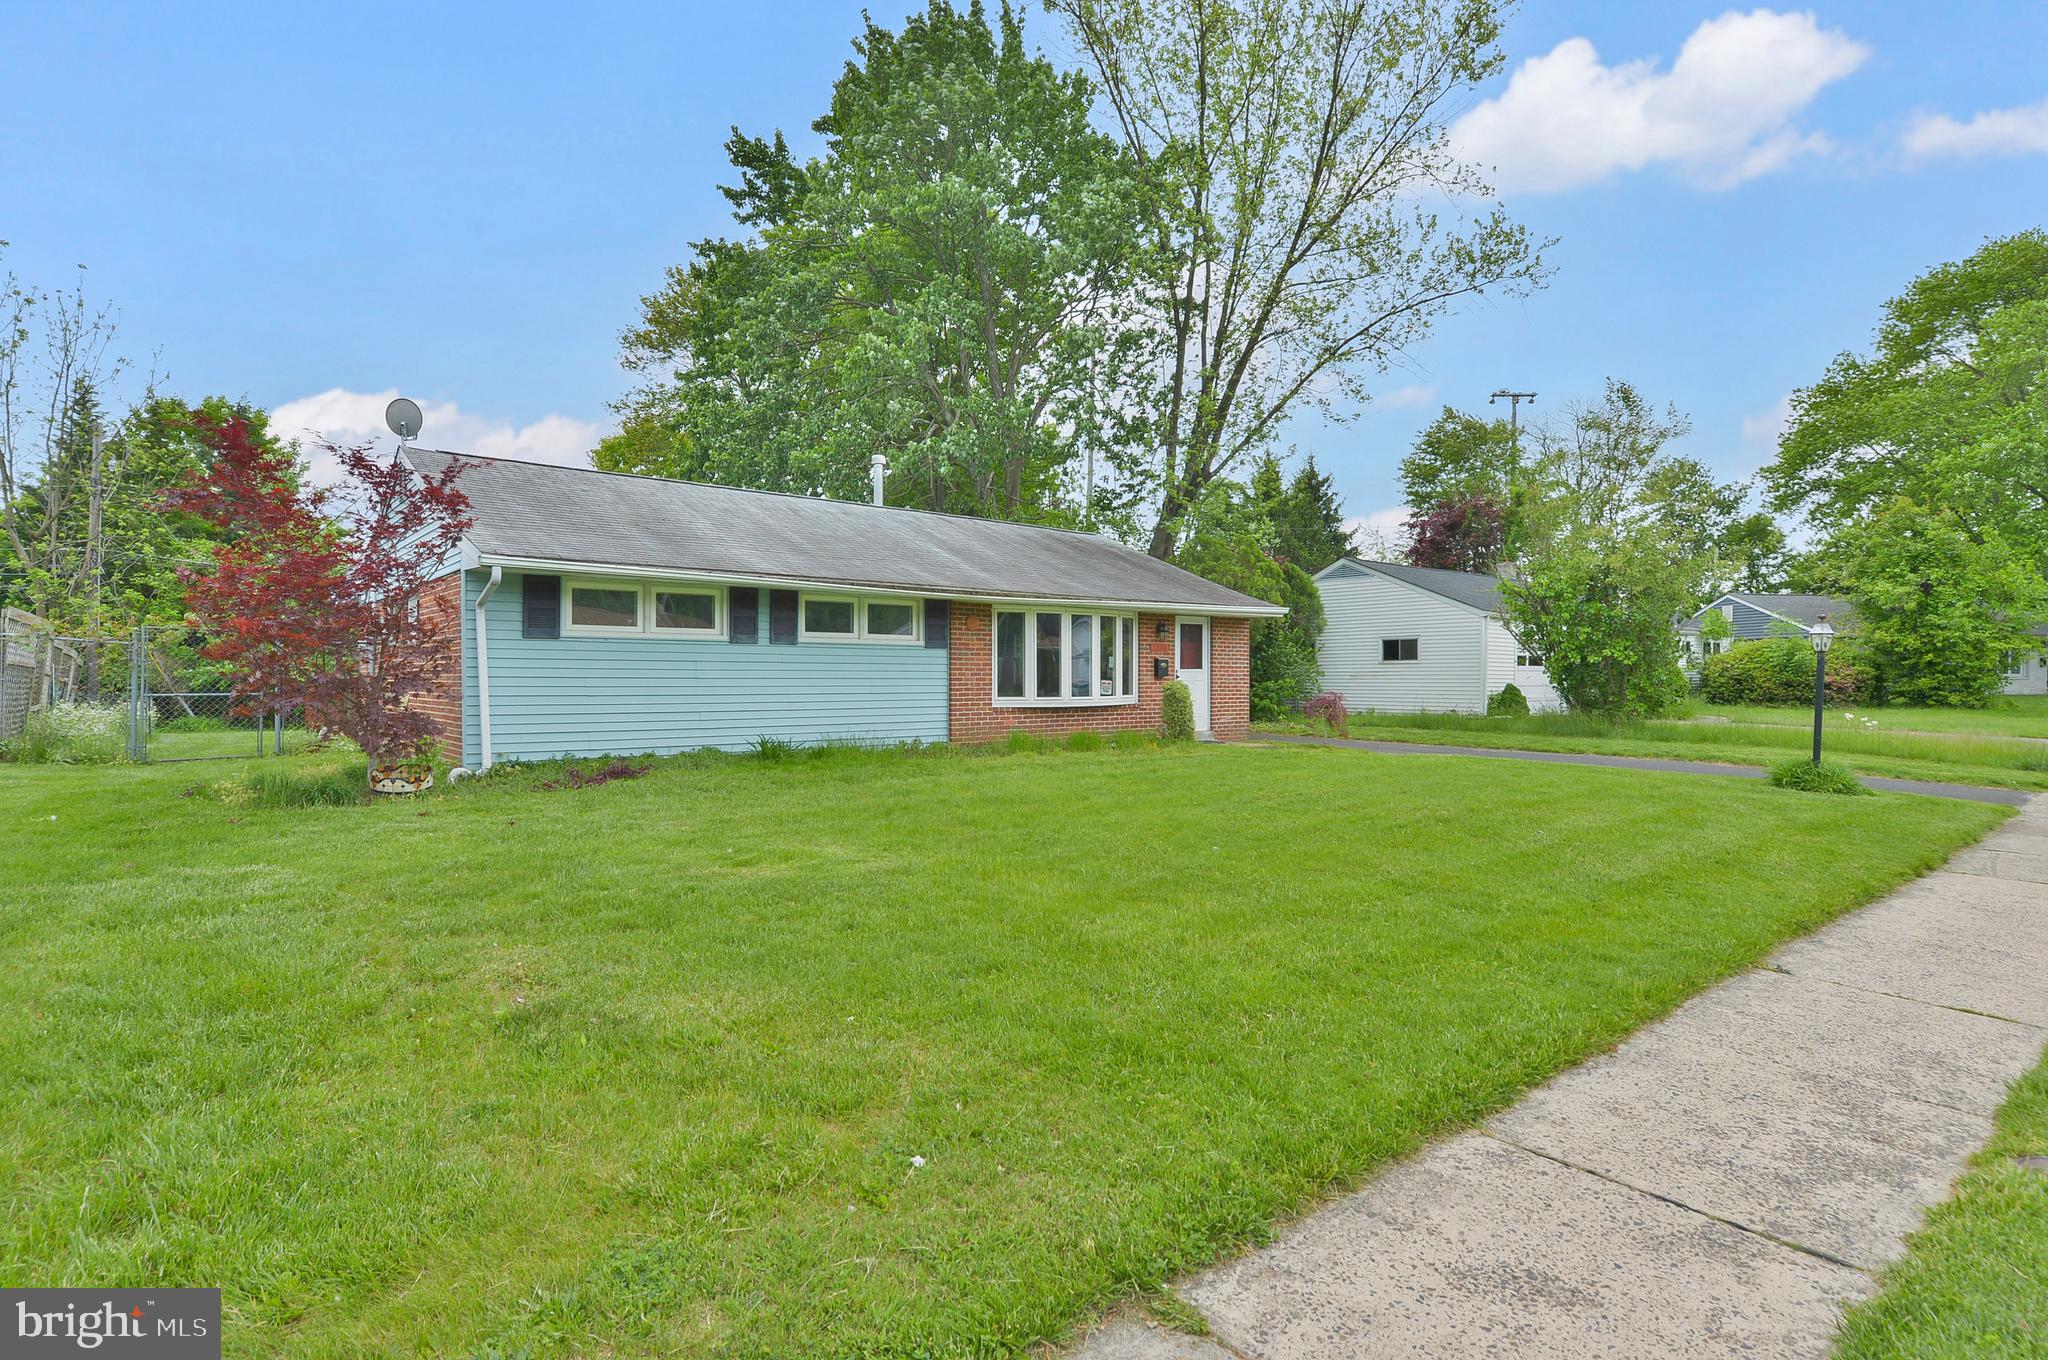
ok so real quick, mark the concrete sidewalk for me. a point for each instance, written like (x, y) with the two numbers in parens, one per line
(1975, 793)
(1721, 1185)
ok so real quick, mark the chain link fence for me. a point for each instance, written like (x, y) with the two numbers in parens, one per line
(149, 696)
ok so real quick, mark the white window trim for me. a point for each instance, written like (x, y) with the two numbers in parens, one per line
(569, 624)
(916, 635)
(721, 604)
(1397, 660)
(646, 626)
(1066, 672)
(803, 626)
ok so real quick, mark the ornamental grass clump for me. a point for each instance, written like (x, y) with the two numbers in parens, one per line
(1808, 777)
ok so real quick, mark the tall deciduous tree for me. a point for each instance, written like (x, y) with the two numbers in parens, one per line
(1287, 149)
(947, 285)
(316, 599)
(1950, 410)
(1598, 604)
(1458, 457)
(1464, 534)
(1937, 602)
(56, 356)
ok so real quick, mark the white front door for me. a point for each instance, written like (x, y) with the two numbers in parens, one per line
(1192, 652)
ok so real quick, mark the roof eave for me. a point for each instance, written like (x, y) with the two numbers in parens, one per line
(1251, 610)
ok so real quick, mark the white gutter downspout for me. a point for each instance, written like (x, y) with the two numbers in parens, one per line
(483, 666)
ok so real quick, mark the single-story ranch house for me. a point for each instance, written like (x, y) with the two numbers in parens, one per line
(603, 613)
(1404, 639)
(1752, 615)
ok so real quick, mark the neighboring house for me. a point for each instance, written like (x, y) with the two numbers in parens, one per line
(1404, 639)
(1752, 616)
(2026, 668)
(603, 613)
(1759, 616)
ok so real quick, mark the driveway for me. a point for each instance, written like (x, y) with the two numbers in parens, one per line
(1721, 1185)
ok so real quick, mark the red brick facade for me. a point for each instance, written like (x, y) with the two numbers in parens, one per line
(441, 601)
(1230, 679)
(975, 718)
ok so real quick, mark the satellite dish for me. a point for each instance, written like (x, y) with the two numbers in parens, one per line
(403, 416)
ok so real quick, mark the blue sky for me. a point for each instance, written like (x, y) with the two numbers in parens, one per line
(311, 206)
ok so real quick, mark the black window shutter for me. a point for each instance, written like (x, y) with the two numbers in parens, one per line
(744, 602)
(542, 597)
(938, 619)
(782, 617)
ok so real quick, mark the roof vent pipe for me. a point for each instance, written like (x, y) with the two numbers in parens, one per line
(878, 468)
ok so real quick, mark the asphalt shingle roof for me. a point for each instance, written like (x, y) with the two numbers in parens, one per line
(1466, 587)
(580, 515)
(1804, 610)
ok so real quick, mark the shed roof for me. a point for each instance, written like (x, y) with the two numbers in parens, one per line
(542, 512)
(1475, 589)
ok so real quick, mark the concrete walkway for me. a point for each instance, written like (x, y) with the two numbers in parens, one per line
(1975, 793)
(1720, 1185)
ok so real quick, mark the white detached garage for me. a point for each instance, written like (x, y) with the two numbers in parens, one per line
(1404, 639)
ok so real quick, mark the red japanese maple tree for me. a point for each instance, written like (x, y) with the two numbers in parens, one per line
(315, 598)
(1467, 534)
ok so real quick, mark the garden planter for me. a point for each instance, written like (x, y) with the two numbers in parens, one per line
(401, 778)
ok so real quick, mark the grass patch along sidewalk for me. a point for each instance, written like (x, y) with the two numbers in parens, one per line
(1993, 762)
(861, 1054)
(2007, 715)
(1974, 1282)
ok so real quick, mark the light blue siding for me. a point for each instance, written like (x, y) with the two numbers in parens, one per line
(627, 695)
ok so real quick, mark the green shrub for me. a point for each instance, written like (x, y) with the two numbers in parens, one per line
(1176, 711)
(1134, 741)
(1507, 702)
(1026, 743)
(71, 734)
(1284, 670)
(1780, 671)
(1084, 741)
(1827, 777)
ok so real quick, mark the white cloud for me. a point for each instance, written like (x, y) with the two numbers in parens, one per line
(1381, 535)
(1766, 426)
(1414, 394)
(1996, 132)
(1721, 115)
(344, 417)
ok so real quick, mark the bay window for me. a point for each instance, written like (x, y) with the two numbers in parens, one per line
(1074, 658)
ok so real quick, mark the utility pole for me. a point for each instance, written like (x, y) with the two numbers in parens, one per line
(1515, 400)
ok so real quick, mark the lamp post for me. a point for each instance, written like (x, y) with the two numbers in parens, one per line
(1823, 636)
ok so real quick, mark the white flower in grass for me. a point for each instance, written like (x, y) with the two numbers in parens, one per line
(916, 1162)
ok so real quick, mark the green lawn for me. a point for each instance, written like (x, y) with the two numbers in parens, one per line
(229, 742)
(2012, 715)
(649, 1067)
(1995, 761)
(1975, 1280)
